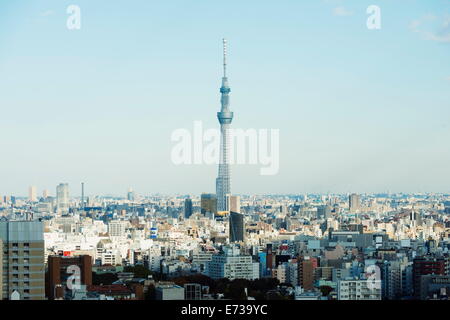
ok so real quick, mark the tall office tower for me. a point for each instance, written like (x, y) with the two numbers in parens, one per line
(237, 229)
(208, 203)
(32, 194)
(45, 194)
(354, 202)
(60, 268)
(23, 249)
(82, 195)
(187, 208)
(62, 198)
(130, 195)
(225, 117)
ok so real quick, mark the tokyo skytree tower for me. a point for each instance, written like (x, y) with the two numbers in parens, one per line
(225, 116)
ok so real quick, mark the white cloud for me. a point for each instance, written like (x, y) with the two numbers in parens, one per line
(342, 12)
(431, 28)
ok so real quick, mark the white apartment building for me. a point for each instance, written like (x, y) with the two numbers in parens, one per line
(282, 272)
(201, 259)
(361, 289)
(111, 257)
(232, 265)
(116, 228)
(155, 257)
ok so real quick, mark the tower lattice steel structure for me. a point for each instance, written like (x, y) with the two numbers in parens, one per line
(225, 116)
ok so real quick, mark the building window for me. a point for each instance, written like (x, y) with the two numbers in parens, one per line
(26, 245)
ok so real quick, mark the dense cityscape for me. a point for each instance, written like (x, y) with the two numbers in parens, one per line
(298, 247)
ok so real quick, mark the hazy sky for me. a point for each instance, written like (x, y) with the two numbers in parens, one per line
(358, 110)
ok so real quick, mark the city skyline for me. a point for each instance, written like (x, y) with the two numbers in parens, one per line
(76, 192)
(330, 184)
(357, 112)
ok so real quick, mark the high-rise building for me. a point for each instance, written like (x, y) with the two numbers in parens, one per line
(225, 116)
(234, 203)
(32, 194)
(130, 195)
(396, 279)
(61, 268)
(354, 202)
(432, 286)
(187, 208)
(22, 247)
(82, 196)
(270, 257)
(208, 203)
(237, 229)
(62, 198)
(427, 265)
(324, 212)
(305, 269)
(45, 194)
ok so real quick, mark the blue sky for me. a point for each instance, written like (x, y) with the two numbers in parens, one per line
(358, 110)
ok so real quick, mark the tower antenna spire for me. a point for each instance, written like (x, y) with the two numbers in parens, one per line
(224, 57)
